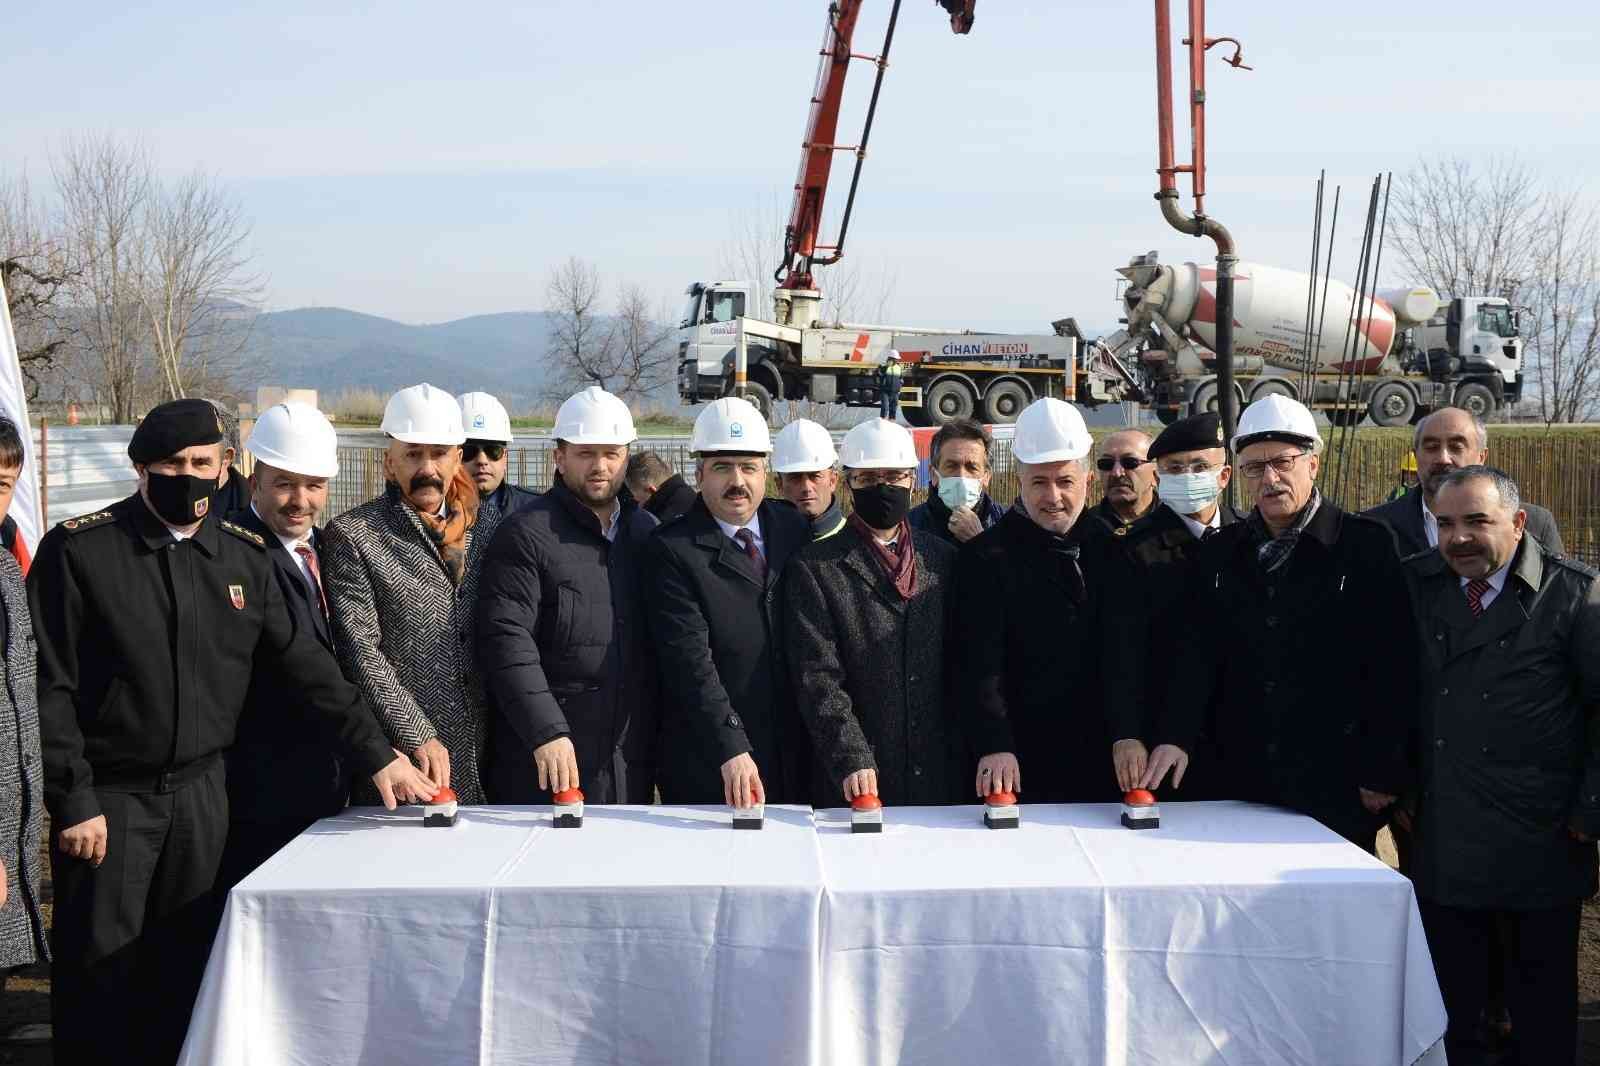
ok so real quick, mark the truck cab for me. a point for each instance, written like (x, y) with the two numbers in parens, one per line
(1473, 341)
(707, 333)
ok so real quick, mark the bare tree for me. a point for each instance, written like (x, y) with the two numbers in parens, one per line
(627, 350)
(197, 289)
(35, 270)
(582, 344)
(1467, 231)
(1561, 326)
(105, 187)
(647, 356)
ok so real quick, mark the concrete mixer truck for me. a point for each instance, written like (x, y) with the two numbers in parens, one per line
(1407, 352)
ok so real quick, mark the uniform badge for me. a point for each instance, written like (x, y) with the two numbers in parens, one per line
(201, 507)
(1219, 433)
(1120, 531)
(236, 596)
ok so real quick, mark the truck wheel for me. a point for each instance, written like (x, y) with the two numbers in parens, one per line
(1273, 387)
(1004, 401)
(1476, 399)
(1205, 399)
(761, 396)
(1392, 404)
(947, 400)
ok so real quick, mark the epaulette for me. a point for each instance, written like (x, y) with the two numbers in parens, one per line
(244, 534)
(87, 521)
(1577, 565)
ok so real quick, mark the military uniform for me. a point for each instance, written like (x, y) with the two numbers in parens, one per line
(146, 646)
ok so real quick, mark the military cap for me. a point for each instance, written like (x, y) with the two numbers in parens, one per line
(174, 426)
(1192, 434)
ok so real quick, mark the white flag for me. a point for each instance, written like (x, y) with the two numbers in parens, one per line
(14, 405)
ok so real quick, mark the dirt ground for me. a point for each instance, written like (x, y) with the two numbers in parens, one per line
(25, 1003)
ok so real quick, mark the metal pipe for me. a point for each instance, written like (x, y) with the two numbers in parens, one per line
(1197, 101)
(741, 360)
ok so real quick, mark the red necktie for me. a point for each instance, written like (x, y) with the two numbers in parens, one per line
(304, 551)
(1475, 590)
(747, 541)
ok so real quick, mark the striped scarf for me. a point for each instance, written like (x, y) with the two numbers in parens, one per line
(1273, 551)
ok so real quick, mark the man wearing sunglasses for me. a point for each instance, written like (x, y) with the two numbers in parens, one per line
(1128, 477)
(484, 454)
(1299, 616)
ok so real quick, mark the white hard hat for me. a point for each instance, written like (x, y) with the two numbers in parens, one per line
(423, 414)
(484, 417)
(1050, 431)
(894, 354)
(1277, 417)
(878, 444)
(730, 425)
(803, 446)
(295, 437)
(594, 416)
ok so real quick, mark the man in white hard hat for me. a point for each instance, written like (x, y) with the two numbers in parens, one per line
(1032, 695)
(562, 641)
(485, 453)
(402, 574)
(729, 733)
(865, 630)
(1317, 597)
(281, 777)
(806, 463)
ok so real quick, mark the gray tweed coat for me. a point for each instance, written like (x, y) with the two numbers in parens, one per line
(21, 780)
(404, 633)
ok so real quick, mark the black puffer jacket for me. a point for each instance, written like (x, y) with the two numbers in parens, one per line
(563, 650)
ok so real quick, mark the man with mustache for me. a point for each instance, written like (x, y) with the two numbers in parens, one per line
(1445, 441)
(401, 574)
(865, 627)
(1508, 806)
(1026, 673)
(151, 619)
(806, 463)
(562, 641)
(281, 776)
(1298, 615)
(486, 454)
(730, 733)
(1129, 477)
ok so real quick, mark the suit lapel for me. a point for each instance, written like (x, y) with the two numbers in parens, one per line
(860, 559)
(725, 554)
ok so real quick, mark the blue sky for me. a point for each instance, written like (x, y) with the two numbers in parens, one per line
(429, 161)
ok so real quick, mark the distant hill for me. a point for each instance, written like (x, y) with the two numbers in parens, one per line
(330, 349)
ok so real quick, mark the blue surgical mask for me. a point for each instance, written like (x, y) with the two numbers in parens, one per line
(1189, 493)
(959, 492)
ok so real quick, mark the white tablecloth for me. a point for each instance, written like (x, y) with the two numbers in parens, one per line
(1233, 934)
(650, 935)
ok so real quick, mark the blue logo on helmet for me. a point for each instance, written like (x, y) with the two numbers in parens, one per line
(477, 421)
(736, 430)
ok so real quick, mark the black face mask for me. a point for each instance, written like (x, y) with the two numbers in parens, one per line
(882, 506)
(179, 499)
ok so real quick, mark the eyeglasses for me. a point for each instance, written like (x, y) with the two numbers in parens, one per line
(494, 452)
(1281, 464)
(867, 478)
(1127, 462)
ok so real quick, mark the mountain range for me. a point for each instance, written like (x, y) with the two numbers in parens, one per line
(331, 349)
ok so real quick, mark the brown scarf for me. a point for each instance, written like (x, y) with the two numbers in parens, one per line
(449, 534)
(899, 563)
